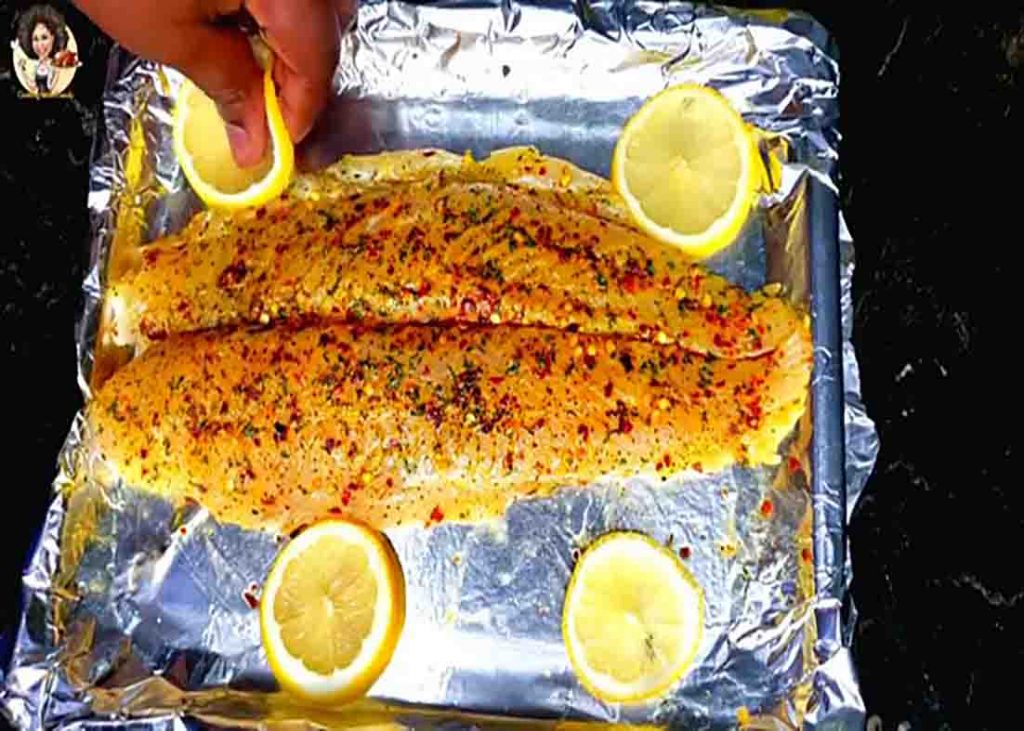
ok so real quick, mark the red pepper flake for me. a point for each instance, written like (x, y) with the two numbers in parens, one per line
(514, 213)
(685, 552)
(250, 595)
(436, 515)
(767, 508)
(143, 453)
(183, 530)
(429, 153)
(543, 170)
(621, 414)
(608, 388)
(334, 510)
(346, 497)
(794, 464)
(698, 467)
(630, 283)
(543, 235)
(806, 554)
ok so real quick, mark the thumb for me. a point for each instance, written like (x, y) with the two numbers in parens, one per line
(220, 61)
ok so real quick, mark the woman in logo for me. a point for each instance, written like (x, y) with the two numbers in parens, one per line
(43, 37)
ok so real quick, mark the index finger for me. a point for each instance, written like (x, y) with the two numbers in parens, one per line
(304, 36)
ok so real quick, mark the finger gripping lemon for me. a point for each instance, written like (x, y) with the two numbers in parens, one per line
(204, 153)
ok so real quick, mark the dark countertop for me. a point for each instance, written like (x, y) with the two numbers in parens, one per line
(932, 109)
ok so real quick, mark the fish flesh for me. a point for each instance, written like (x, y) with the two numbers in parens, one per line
(432, 347)
(458, 248)
(413, 423)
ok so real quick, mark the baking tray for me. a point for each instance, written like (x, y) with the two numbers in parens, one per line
(124, 621)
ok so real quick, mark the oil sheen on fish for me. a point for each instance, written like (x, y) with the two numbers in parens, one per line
(414, 346)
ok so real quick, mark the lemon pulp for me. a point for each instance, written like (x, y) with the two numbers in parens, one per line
(686, 165)
(633, 618)
(332, 610)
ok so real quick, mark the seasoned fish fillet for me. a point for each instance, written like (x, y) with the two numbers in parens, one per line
(414, 423)
(411, 337)
(469, 249)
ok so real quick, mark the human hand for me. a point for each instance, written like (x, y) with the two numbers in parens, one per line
(198, 38)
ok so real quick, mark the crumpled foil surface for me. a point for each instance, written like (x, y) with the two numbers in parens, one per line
(139, 613)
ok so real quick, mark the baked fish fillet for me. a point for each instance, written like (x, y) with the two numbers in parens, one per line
(416, 423)
(470, 244)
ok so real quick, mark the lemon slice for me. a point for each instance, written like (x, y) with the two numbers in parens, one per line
(633, 618)
(332, 610)
(204, 153)
(686, 166)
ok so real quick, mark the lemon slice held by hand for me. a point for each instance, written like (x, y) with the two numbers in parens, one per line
(204, 153)
(686, 166)
(332, 611)
(633, 618)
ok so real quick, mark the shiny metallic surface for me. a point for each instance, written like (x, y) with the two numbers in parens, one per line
(139, 612)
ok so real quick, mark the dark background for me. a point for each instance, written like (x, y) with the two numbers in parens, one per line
(932, 110)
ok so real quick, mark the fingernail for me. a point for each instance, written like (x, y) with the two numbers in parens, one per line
(240, 142)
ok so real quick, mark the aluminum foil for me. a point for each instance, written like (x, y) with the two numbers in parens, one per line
(138, 612)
